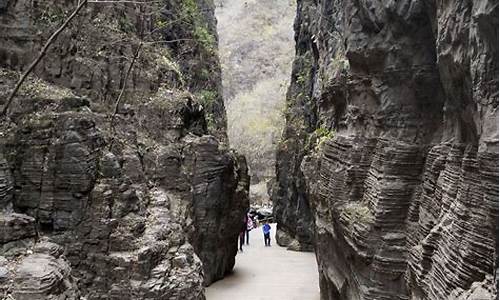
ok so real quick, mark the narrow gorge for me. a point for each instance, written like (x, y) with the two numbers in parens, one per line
(119, 177)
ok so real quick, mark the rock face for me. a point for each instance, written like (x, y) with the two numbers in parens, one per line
(392, 135)
(139, 202)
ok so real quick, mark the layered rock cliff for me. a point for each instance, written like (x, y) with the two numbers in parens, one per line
(105, 199)
(392, 133)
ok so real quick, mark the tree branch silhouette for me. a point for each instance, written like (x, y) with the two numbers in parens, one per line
(40, 56)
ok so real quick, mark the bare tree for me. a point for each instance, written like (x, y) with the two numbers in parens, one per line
(118, 100)
(42, 53)
(53, 37)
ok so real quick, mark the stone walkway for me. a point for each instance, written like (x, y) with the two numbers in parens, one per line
(268, 273)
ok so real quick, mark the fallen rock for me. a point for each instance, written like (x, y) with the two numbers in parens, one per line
(14, 227)
(41, 276)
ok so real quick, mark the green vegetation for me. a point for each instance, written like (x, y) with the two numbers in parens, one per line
(39, 121)
(321, 135)
(207, 98)
(356, 213)
(210, 120)
(166, 99)
(160, 24)
(205, 38)
(125, 24)
(51, 15)
(324, 133)
(204, 74)
(191, 14)
(305, 63)
(300, 87)
(36, 87)
(303, 77)
(164, 62)
(340, 62)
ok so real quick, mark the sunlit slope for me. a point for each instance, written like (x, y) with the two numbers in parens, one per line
(256, 49)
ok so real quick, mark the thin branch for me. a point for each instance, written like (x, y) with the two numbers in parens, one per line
(118, 100)
(40, 56)
(168, 41)
(49, 42)
(149, 34)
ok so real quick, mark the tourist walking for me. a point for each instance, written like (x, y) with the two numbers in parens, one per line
(242, 240)
(249, 227)
(242, 233)
(267, 233)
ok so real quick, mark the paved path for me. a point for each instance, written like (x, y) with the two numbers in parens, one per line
(268, 273)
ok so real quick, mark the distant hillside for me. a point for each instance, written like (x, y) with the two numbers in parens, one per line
(256, 49)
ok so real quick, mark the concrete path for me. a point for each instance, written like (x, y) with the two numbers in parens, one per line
(268, 273)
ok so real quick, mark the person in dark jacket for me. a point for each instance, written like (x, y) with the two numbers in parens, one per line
(243, 231)
(242, 240)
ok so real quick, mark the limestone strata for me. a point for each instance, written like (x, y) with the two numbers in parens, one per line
(220, 183)
(144, 199)
(393, 112)
(5, 182)
(41, 276)
(132, 218)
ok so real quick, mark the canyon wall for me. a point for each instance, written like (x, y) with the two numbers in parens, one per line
(116, 181)
(392, 135)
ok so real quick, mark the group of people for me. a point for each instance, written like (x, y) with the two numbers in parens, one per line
(249, 223)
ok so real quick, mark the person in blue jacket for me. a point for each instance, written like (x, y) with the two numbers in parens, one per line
(267, 233)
